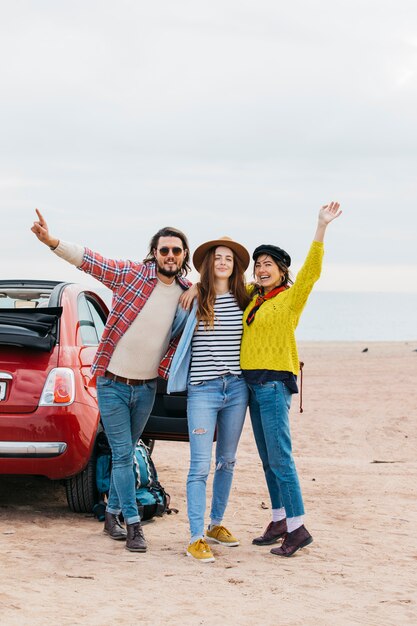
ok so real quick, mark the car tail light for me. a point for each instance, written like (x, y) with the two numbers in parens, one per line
(59, 389)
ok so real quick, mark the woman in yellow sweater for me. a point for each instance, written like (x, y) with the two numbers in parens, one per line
(269, 363)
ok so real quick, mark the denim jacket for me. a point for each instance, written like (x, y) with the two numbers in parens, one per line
(181, 316)
(180, 366)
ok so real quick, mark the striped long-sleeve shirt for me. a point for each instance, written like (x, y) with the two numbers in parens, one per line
(215, 352)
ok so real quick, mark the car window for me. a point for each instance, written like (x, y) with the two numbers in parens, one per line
(97, 315)
(88, 331)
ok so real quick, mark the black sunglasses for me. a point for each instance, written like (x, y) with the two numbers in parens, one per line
(176, 251)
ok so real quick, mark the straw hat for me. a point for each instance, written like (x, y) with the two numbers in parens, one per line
(237, 248)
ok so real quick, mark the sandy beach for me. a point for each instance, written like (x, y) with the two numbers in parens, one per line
(355, 448)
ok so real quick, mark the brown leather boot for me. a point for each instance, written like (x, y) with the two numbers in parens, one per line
(299, 538)
(273, 532)
(135, 539)
(113, 527)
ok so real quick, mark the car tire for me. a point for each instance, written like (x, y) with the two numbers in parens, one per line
(81, 489)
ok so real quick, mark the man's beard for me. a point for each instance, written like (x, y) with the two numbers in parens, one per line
(169, 273)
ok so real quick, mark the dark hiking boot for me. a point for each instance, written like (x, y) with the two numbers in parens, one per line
(135, 539)
(273, 532)
(113, 527)
(299, 538)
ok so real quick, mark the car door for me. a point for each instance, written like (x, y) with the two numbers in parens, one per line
(92, 315)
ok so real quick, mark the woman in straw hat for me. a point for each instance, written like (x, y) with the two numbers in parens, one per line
(270, 365)
(206, 363)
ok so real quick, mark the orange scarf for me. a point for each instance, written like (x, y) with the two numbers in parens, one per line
(261, 299)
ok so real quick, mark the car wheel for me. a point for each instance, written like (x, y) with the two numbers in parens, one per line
(149, 443)
(81, 489)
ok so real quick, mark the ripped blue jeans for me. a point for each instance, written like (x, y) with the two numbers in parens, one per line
(220, 402)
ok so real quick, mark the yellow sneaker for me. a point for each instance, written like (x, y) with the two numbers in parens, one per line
(220, 534)
(200, 551)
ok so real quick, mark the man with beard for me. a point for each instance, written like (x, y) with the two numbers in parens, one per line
(135, 338)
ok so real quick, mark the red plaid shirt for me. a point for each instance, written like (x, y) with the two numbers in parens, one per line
(131, 283)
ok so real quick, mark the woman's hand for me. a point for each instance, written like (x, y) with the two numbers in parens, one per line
(327, 214)
(41, 230)
(186, 298)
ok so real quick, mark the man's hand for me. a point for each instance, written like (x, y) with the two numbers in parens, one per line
(40, 228)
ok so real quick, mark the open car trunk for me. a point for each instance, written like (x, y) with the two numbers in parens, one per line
(30, 328)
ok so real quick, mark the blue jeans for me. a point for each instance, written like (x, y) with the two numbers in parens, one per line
(269, 406)
(124, 411)
(220, 402)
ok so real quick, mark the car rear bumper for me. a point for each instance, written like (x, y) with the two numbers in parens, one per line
(31, 449)
(52, 441)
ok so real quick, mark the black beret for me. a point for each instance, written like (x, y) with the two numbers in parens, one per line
(277, 253)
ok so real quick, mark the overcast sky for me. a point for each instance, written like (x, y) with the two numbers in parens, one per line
(226, 117)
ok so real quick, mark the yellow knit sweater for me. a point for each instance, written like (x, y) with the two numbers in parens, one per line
(269, 342)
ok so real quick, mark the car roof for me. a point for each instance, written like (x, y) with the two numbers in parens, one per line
(13, 286)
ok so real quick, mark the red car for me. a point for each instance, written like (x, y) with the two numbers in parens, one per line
(49, 418)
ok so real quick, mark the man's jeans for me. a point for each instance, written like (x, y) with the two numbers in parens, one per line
(220, 402)
(269, 406)
(124, 411)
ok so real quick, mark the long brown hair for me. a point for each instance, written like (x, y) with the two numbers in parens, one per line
(206, 291)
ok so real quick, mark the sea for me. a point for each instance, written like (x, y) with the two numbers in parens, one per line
(337, 316)
(340, 316)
